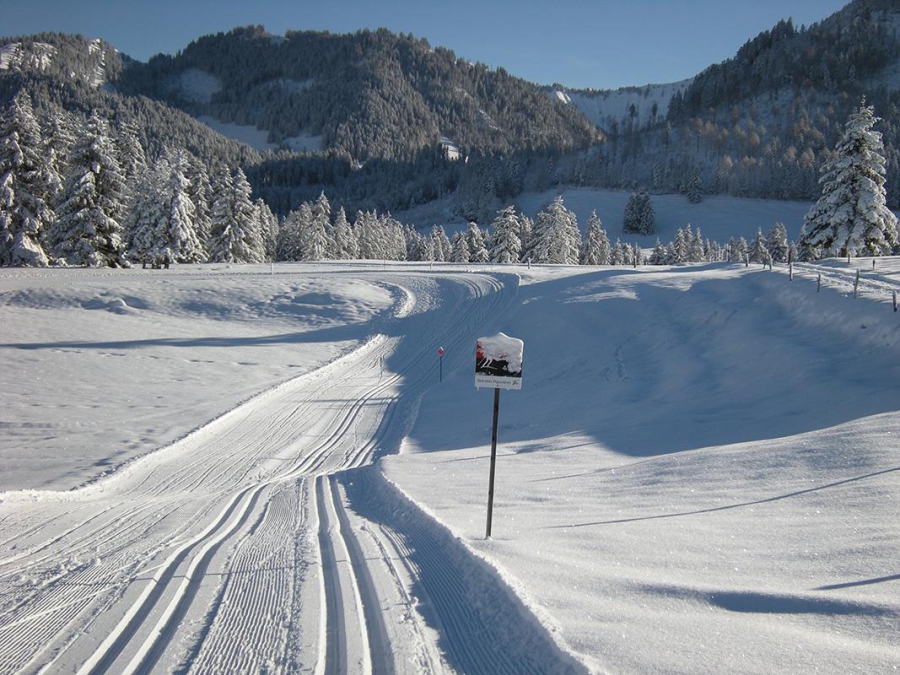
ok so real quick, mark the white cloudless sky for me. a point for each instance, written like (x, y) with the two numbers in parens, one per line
(579, 43)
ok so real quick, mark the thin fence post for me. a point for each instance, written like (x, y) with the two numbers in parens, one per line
(791, 274)
(895, 301)
(819, 283)
(856, 285)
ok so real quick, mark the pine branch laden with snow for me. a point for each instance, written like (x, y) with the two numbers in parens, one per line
(851, 216)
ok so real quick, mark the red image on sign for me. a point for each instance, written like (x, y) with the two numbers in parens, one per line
(440, 351)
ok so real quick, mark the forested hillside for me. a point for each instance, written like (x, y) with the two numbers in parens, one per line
(387, 123)
(761, 123)
(371, 94)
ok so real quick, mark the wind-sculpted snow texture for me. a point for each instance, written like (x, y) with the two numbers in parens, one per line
(700, 476)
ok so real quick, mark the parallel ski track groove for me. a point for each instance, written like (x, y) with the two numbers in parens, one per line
(216, 479)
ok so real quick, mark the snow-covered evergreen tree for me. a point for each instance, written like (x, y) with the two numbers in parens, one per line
(235, 235)
(639, 217)
(89, 227)
(268, 226)
(441, 244)
(177, 240)
(694, 189)
(28, 185)
(658, 257)
(526, 236)
(758, 252)
(618, 255)
(806, 251)
(777, 243)
(595, 249)
(147, 210)
(696, 252)
(506, 247)
(132, 160)
(556, 234)
(200, 192)
(681, 248)
(288, 246)
(369, 237)
(460, 248)
(850, 217)
(344, 237)
(475, 238)
(394, 241)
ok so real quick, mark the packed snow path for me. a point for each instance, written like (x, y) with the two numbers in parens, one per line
(233, 550)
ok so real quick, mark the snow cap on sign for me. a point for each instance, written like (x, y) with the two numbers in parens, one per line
(502, 347)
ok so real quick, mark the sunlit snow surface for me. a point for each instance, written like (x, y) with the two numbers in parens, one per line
(701, 473)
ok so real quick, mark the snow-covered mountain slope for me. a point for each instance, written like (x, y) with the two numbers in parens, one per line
(699, 474)
(613, 109)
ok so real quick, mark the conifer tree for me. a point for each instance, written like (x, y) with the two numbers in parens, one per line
(850, 217)
(89, 227)
(28, 185)
(288, 245)
(758, 252)
(235, 236)
(595, 249)
(695, 189)
(175, 238)
(526, 236)
(777, 243)
(460, 248)
(557, 237)
(658, 257)
(695, 252)
(344, 237)
(639, 217)
(475, 239)
(441, 244)
(268, 226)
(505, 245)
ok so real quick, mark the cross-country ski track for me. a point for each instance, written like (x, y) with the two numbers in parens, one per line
(267, 540)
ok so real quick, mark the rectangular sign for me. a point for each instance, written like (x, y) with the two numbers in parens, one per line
(498, 362)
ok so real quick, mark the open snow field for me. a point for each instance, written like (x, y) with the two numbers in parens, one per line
(253, 469)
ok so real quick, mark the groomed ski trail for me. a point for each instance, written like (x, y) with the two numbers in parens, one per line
(232, 550)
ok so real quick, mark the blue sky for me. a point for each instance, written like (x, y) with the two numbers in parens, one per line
(578, 43)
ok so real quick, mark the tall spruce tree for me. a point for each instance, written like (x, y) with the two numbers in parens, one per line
(557, 237)
(475, 238)
(28, 185)
(235, 233)
(505, 246)
(777, 243)
(89, 227)
(850, 217)
(595, 249)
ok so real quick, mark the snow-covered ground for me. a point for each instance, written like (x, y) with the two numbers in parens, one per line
(718, 217)
(614, 106)
(258, 139)
(700, 473)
